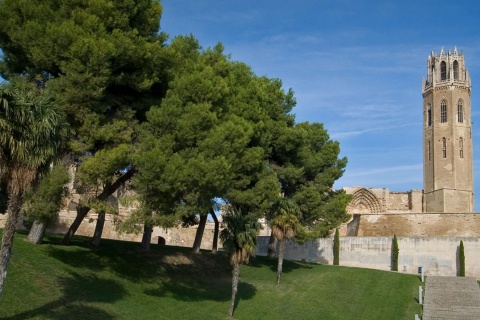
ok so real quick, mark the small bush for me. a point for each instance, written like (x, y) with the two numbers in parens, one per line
(461, 257)
(336, 248)
(395, 251)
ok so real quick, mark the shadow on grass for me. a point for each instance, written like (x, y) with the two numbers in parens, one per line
(171, 271)
(130, 261)
(197, 291)
(201, 277)
(78, 292)
(272, 263)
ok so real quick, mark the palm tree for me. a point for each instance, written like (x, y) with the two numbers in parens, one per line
(283, 217)
(239, 238)
(30, 132)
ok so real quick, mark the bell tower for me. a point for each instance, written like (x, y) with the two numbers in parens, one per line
(447, 134)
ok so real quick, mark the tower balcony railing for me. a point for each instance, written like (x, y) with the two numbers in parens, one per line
(429, 84)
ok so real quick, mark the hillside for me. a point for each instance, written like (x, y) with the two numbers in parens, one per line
(120, 281)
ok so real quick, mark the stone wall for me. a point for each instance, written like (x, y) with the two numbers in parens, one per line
(382, 200)
(437, 255)
(183, 237)
(416, 224)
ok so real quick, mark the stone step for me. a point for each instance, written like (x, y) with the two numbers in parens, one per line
(451, 298)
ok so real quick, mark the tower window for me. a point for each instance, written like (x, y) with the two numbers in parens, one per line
(460, 147)
(429, 151)
(429, 115)
(443, 71)
(460, 111)
(443, 111)
(455, 70)
(444, 148)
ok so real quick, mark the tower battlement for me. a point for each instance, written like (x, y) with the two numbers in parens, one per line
(446, 68)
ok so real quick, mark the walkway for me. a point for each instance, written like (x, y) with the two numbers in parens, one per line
(451, 298)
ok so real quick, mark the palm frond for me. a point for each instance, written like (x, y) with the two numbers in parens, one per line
(239, 237)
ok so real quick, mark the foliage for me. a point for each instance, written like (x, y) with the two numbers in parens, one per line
(239, 237)
(395, 251)
(119, 281)
(283, 219)
(31, 135)
(306, 163)
(336, 248)
(31, 132)
(461, 258)
(240, 241)
(43, 202)
(104, 62)
(210, 136)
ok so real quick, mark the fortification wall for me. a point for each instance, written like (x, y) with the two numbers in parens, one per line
(437, 255)
(174, 236)
(417, 224)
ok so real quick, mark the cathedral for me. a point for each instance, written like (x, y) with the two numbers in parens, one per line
(442, 207)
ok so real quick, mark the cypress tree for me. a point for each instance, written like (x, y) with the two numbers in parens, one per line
(336, 248)
(461, 256)
(395, 251)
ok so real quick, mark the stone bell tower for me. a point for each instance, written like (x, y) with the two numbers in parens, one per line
(447, 134)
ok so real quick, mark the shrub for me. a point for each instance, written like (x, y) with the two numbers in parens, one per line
(461, 257)
(336, 248)
(395, 251)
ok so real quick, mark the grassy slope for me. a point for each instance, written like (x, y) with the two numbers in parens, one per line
(119, 281)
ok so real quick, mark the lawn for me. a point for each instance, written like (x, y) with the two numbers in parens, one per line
(120, 281)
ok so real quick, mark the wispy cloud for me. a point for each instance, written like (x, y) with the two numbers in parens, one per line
(396, 169)
(347, 134)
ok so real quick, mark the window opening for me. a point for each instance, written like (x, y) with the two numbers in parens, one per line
(429, 151)
(460, 147)
(429, 115)
(443, 71)
(443, 111)
(444, 148)
(455, 70)
(460, 111)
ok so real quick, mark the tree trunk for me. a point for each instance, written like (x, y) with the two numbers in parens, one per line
(97, 235)
(272, 246)
(199, 234)
(280, 259)
(147, 237)
(235, 277)
(215, 232)
(37, 232)
(83, 210)
(81, 214)
(13, 211)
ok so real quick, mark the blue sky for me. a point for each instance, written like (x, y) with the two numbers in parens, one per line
(354, 65)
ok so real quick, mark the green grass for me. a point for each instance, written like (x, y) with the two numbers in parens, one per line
(120, 281)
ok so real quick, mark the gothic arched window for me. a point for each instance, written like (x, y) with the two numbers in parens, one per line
(460, 147)
(443, 111)
(455, 70)
(444, 148)
(443, 71)
(429, 115)
(460, 111)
